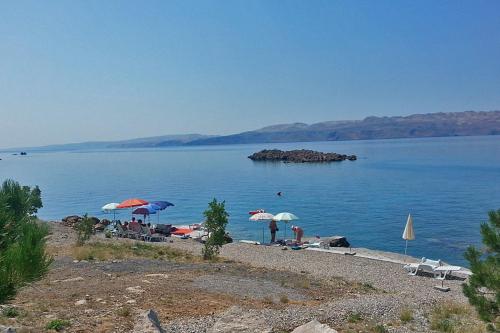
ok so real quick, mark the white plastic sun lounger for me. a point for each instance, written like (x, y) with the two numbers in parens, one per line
(425, 265)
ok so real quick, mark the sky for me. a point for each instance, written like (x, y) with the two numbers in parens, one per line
(73, 71)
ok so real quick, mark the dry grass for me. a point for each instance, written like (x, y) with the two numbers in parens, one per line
(406, 315)
(450, 317)
(107, 251)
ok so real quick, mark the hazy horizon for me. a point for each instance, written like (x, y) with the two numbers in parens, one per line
(107, 71)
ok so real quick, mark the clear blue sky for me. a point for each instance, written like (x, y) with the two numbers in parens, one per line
(72, 71)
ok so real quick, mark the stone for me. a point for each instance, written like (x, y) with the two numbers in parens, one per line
(339, 242)
(148, 322)
(314, 326)
(135, 290)
(157, 275)
(81, 302)
(7, 329)
(237, 320)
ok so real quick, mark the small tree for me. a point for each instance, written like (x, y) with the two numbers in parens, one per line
(23, 257)
(483, 289)
(216, 221)
(84, 230)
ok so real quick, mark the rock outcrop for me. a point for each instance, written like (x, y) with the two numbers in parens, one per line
(148, 322)
(314, 326)
(299, 156)
(73, 220)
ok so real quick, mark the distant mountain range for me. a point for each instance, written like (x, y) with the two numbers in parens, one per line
(415, 126)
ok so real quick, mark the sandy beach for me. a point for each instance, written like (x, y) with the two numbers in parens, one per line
(269, 289)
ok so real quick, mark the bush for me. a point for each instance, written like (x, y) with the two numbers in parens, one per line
(57, 324)
(216, 221)
(354, 317)
(10, 312)
(23, 258)
(84, 230)
(483, 289)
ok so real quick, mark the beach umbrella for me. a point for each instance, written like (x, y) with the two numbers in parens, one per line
(145, 210)
(129, 203)
(408, 233)
(163, 205)
(111, 207)
(262, 217)
(285, 217)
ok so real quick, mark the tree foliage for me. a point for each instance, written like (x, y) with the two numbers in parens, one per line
(23, 258)
(84, 230)
(216, 221)
(483, 289)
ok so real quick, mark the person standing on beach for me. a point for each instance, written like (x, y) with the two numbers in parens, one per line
(299, 233)
(273, 227)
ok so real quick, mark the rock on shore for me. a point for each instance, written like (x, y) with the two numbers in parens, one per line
(299, 156)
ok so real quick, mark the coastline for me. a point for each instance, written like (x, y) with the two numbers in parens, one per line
(265, 285)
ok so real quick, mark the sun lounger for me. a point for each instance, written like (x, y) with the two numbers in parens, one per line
(147, 236)
(425, 265)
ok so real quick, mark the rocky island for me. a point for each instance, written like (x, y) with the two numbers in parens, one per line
(299, 156)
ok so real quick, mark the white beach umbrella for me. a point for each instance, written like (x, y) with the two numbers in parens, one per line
(111, 207)
(285, 217)
(262, 217)
(408, 233)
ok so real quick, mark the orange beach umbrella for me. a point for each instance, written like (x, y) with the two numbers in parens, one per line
(132, 203)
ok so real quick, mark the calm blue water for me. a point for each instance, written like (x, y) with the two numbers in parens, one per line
(448, 185)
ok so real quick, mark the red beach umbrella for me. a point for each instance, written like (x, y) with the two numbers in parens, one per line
(132, 203)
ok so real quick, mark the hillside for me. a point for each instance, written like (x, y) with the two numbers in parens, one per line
(414, 126)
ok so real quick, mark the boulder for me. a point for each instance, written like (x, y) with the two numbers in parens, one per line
(105, 222)
(237, 320)
(339, 242)
(99, 227)
(314, 326)
(7, 329)
(148, 322)
(95, 220)
(71, 220)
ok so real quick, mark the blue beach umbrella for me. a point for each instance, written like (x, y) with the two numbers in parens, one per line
(145, 210)
(162, 205)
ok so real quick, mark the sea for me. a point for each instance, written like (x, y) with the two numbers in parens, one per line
(448, 185)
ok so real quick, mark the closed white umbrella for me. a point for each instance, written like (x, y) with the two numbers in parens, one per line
(285, 217)
(111, 207)
(408, 233)
(262, 217)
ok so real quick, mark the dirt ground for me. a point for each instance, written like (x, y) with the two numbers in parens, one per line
(105, 295)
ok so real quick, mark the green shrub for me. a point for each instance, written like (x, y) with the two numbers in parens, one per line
(216, 221)
(57, 324)
(23, 258)
(84, 230)
(354, 317)
(10, 312)
(379, 329)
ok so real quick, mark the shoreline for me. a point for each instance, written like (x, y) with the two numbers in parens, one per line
(280, 289)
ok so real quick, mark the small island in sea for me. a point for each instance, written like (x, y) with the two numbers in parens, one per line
(299, 156)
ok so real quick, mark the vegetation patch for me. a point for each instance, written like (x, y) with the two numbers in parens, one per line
(354, 317)
(119, 250)
(58, 324)
(406, 315)
(450, 317)
(10, 312)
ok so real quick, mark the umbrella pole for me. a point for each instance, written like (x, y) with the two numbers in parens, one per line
(262, 234)
(406, 246)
